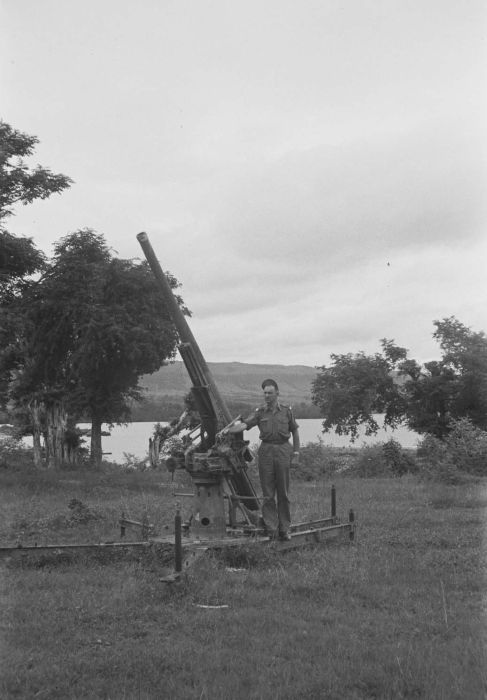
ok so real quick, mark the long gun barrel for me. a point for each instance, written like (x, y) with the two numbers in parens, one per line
(211, 406)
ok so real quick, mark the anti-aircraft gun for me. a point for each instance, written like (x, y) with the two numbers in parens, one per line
(216, 460)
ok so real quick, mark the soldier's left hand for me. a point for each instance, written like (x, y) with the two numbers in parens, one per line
(295, 460)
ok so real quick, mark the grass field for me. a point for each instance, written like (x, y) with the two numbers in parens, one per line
(398, 614)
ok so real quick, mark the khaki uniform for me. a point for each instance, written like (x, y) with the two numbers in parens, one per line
(275, 454)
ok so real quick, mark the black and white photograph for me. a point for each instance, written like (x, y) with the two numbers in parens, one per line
(243, 350)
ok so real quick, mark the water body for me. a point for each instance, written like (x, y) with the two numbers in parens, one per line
(134, 438)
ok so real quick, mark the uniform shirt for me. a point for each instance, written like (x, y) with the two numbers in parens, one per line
(275, 425)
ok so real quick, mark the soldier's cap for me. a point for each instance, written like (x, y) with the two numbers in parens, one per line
(270, 382)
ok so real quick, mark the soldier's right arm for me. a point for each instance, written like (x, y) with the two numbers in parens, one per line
(248, 423)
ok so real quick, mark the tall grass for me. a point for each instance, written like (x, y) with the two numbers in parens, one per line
(397, 614)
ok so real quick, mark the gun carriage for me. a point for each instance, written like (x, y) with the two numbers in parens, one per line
(217, 460)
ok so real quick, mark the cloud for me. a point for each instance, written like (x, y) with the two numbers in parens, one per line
(284, 230)
(351, 310)
(358, 198)
(332, 248)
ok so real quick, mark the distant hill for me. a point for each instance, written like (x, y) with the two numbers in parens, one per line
(236, 381)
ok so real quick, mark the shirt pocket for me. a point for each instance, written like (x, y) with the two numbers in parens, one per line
(283, 427)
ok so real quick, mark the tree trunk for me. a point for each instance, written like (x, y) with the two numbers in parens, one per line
(36, 413)
(55, 432)
(96, 453)
(72, 443)
(154, 452)
(49, 444)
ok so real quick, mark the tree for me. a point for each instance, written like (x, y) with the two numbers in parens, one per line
(19, 257)
(465, 356)
(18, 182)
(47, 309)
(98, 324)
(356, 387)
(427, 398)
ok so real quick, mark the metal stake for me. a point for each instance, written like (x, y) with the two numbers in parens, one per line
(145, 527)
(178, 544)
(351, 520)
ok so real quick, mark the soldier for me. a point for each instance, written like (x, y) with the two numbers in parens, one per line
(276, 424)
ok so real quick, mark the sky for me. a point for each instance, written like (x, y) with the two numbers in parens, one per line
(313, 172)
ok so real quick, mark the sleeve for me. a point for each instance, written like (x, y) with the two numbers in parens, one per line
(252, 420)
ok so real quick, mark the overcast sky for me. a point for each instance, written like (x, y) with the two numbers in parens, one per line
(312, 171)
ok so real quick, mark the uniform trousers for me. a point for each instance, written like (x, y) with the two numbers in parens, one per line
(274, 466)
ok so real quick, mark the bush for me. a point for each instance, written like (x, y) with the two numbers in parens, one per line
(436, 463)
(13, 454)
(383, 459)
(462, 452)
(133, 463)
(397, 459)
(370, 462)
(317, 460)
(467, 446)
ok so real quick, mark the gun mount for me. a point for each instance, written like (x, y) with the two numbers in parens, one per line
(217, 461)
